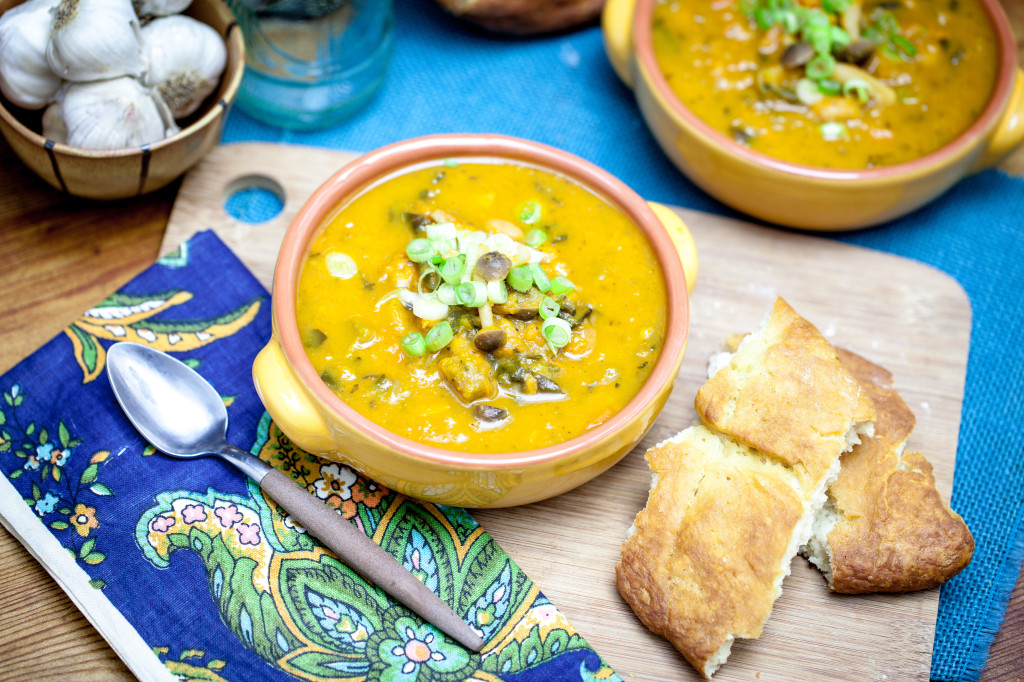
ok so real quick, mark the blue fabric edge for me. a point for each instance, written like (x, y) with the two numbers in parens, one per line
(1003, 584)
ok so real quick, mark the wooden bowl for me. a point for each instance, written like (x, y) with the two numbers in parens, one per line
(121, 173)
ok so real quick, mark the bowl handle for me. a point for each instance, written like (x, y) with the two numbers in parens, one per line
(617, 26)
(683, 240)
(286, 401)
(1010, 131)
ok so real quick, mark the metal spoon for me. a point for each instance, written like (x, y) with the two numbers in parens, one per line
(182, 415)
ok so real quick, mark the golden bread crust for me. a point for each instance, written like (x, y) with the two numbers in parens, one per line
(896, 534)
(733, 497)
(706, 554)
(785, 393)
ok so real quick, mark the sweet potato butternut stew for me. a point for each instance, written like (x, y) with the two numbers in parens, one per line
(482, 307)
(832, 83)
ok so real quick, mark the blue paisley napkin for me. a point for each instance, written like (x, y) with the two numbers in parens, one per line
(188, 569)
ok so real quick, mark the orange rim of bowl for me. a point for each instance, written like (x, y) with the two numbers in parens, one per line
(387, 161)
(644, 51)
(227, 90)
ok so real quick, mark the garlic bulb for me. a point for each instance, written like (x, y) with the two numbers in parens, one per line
(95, 39)
(186, 58)
(111, 114)
(25, 77)
(160, 8)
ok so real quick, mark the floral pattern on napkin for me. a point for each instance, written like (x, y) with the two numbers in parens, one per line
(217, 580)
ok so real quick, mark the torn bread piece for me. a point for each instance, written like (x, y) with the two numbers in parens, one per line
(727, 511)
(784, 392)
(885, 528)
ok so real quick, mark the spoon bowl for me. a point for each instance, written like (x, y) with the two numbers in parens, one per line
(169, 403)
(182, 415)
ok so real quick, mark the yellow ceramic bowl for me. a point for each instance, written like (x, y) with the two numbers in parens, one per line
(121, 173)
(796, 195)
(312, 416)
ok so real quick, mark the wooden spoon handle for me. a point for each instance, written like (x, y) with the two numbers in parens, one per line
(367, 558)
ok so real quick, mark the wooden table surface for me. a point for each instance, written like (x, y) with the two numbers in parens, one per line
(60, 256)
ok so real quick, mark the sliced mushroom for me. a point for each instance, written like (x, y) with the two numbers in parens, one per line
(770, 82)
(858, 52)
(545, 385)
(493, 266)
(489, 413)
(797, 54)
(880, 92)
(505, 227)
(489, 340)
(418, 221)
(850, 20)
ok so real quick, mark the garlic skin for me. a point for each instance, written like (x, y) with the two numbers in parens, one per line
(25, 76)
(160, 8)
(112, 114)
(186, 58)
(53, 124)
(95, 40)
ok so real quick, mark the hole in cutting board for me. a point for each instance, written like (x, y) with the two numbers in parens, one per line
(254, 199)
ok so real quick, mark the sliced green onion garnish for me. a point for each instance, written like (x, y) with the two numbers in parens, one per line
(471, 294)
(420, 250)
(839, 36)
(816, 18)
(833, 131)
(561, 285)
(428, 307)
(764, 17)
(820, 39)
(830, 86)
(446, 294)
(789, 20)
(414, 344)
(443, 246)
(836, 6)
(820, 67)
(340, 265)
(556, 331)
(497, 292)
(807, 92)
(440, 336)
(451, 163)
(904, 45)
(536, 237)
(858, 86)
(548, 308)
(438, 231)
(451, 270)
(520, 278)
(540, 278)
(530, 212)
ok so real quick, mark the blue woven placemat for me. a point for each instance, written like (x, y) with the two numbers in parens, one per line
(561, 90)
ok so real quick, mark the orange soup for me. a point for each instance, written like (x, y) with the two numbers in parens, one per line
(833, 83)
(482, 307)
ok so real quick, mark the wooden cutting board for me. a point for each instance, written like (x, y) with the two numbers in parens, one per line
(902, 314)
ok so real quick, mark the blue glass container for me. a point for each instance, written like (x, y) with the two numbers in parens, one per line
(312, 63)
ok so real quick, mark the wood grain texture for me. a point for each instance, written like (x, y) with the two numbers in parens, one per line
(743, 267)
(61, 256)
